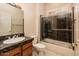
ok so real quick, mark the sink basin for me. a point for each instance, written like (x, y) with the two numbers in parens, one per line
(13, 40)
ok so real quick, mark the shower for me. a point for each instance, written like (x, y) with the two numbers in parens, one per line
(58, 29)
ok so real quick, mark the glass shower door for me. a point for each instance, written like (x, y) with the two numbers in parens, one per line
(58, 29)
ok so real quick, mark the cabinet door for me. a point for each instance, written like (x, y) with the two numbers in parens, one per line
(27, 52)
(27, 49)
(13, 52)
(25, 46)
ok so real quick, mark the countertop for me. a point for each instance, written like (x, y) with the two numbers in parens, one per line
(6, 46)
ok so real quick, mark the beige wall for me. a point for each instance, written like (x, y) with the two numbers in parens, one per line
(32, 12)
(29, 18)
(77, 27)
(53, 7)
(40, 11)
(77, 20)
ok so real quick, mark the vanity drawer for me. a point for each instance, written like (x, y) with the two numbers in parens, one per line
(27, 45)
(13, 52)
(27, 52)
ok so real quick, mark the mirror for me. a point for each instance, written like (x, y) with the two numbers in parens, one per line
(11, 20)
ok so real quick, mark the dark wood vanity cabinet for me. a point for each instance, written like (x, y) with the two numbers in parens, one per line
(23, 50)
(13, 52)
(27, 49)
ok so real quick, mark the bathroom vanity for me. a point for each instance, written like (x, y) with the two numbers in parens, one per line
(11, 24)
(23, 48)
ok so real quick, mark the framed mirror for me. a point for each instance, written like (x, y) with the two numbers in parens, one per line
(11, 20)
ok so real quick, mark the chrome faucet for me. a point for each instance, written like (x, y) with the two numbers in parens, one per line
(14, 36)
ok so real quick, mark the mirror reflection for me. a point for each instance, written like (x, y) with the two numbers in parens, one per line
(11, 20)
